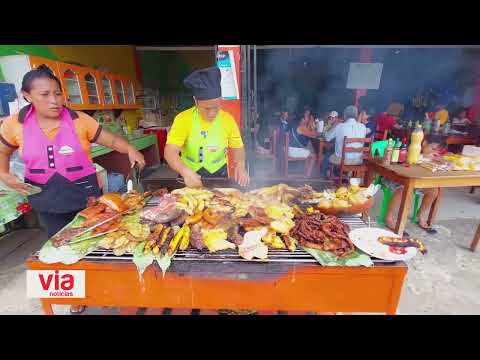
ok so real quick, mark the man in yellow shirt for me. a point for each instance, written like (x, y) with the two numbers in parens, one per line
(199, 137)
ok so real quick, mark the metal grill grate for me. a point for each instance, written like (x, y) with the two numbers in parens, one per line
(279, 256)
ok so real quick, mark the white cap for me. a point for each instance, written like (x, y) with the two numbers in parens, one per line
(333, 114)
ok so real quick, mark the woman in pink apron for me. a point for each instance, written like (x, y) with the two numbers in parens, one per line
(55, 151)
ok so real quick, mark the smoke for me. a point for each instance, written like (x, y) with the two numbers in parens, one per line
(317, 76)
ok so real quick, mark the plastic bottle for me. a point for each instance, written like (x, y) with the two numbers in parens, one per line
(319, 124)
(446, 128)
(387, 156)
(396, 152)
(402, 157)
(415, 148)
(427, 124)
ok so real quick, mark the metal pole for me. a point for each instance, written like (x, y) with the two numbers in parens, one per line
(255, 103)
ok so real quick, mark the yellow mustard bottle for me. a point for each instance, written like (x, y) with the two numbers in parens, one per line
(415, 147)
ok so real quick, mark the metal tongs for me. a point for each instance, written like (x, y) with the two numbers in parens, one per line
(133, 180)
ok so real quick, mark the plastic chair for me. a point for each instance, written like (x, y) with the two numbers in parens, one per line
(387, 197)
(380, 145)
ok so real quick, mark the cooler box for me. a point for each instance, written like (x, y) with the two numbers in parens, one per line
(161, 139)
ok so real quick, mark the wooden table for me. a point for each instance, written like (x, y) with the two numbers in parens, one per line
(417, 177)
(461, 140)
(236, 286)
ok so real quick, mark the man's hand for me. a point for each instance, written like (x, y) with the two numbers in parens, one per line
(136, 156)
(241, 177)
(12, 182)
(192, 179)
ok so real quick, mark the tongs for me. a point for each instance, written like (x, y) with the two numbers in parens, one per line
(133, 179)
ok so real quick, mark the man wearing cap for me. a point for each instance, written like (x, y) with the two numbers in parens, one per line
(199, 137)
(332, 120)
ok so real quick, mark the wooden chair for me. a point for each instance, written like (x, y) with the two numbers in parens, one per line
(273, 150)
(356, 169)
(287, 158)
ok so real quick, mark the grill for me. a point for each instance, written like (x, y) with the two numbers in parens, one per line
(227, 256)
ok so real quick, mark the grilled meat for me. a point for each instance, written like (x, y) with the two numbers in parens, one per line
(63, 237)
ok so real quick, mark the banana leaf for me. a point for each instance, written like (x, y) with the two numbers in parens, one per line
(327, 258)
(50, 254)
(141, 260)
(79, 246)
(164, 262)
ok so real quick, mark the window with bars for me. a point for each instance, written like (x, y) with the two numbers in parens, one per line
(92, 90)
(73, 87)
(130, 93)
(107, 91)
(119, 91)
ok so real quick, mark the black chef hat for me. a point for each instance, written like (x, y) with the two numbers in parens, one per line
(205, 83)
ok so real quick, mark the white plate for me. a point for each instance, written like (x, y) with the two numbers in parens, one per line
(366, 239)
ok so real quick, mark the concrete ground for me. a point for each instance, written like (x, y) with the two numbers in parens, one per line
(445, 281)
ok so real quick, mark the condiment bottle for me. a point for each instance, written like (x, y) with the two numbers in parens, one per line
(427, 125)
(396, 152)
(387, 156)
(415, 148)
(402, 157)
(446, 128)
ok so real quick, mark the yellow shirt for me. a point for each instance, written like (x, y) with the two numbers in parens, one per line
(182, 126)
(442, 116)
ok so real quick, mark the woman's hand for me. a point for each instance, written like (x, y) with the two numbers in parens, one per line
(136, 156)
(13, 182)
(192, 179)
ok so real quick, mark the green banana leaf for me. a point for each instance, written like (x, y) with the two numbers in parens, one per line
(68, 254)
(164, 262)
(80, 246)
(141, 260)
(327, 258)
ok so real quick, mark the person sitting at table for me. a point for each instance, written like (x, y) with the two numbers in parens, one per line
(308, 128)
(351, 128)
(364, 118)
(387, 121)
(298, 143)
(432, 145)
(460, 118)
(441, 114)
(332, 120)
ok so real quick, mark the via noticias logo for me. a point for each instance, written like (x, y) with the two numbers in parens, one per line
(56, 283)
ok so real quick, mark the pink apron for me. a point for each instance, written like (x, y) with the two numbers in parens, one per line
(59, 166)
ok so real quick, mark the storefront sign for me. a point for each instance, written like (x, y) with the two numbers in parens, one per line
(229, 83)
(364, 76)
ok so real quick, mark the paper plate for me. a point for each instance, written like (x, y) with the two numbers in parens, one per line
(366, 239)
